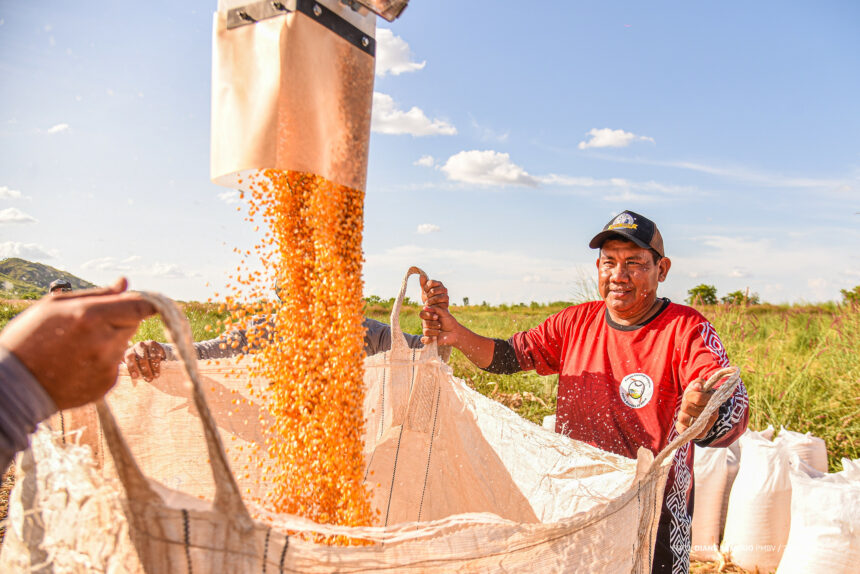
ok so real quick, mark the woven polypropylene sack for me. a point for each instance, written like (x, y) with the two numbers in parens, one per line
(759, 512)
(711, 472)
(825, 521)
(810, 449)
(463, 484)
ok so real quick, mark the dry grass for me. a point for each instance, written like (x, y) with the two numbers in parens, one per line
(713, 567)
(5, 491)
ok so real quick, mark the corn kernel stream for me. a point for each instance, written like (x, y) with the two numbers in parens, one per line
(311, 350)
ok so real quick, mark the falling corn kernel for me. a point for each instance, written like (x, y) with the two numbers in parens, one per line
(312, 352)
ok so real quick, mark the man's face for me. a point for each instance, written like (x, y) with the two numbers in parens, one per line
(628, 278)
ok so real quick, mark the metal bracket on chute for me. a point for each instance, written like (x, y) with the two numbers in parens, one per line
(346, 18)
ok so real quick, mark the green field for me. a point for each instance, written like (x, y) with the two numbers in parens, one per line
(800, 364)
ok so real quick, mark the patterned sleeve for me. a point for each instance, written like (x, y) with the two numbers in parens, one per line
(706, 355)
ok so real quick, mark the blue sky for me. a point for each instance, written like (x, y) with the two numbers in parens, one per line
(505, 136)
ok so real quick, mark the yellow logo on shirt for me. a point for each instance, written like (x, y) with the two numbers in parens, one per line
(636, 390)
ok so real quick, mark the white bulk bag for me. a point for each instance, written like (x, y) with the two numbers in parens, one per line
(465, 485)
(759, 512)
(825, 521)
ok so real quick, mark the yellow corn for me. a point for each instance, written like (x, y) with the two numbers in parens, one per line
(311, 249)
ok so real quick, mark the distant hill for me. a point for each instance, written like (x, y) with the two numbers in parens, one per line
(22, 279)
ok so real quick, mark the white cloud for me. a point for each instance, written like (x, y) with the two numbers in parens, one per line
(15, 215)
(111, 264)
(489, 134)
(6, 193)
(170, 271)
(425, 161)
(387, 119)
(59, 128)
(393, 55)
(31, 251)
(607, 137)
(747, 175)
(426, 228)
(134, 264)
(480, 274)
(486, 167)
(762, 262)
(229, 197)
(620, 189)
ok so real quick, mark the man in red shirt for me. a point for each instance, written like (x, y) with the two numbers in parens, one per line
(630, 368)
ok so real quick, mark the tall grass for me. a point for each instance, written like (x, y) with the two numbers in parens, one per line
(801, 367)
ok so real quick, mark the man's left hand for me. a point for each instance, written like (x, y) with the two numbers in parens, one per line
(693, 403)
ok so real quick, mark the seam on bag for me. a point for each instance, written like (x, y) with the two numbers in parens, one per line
(284, 553)
(186, 527)
(429, 452)
(397, 451)
(266, 548)
(382, 392)
(393, 475)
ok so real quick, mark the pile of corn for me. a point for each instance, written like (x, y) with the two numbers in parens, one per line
(312, 350)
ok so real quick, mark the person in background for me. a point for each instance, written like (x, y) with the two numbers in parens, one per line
(144, 358)
(631, 368)
(62, 352)
(58, 286)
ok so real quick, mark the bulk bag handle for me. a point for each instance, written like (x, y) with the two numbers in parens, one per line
(227, 498)
(399, 346)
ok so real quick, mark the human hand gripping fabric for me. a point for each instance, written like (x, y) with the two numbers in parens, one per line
(72, 343)
(693, 403)
(436, 322)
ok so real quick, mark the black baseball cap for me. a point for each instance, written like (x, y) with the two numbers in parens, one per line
(63, 284)
(633, 227)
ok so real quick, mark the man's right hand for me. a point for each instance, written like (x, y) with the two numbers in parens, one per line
(440, 326)
(143, 359)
